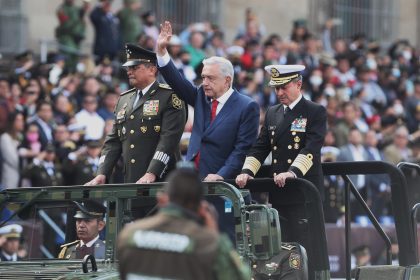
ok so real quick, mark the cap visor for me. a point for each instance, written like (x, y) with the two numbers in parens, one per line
(131, 63)
(278, 83)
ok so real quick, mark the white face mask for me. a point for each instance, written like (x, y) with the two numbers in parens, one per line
(407, 54)
(316, 81)
(371, 63)
(398, 108)
(80, 67)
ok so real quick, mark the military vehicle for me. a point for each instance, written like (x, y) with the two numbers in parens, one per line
(47, 217)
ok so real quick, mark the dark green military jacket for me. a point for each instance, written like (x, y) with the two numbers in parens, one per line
(73, 250)
(174, 245)
(38, 175)
(147, 136)
(79, 172)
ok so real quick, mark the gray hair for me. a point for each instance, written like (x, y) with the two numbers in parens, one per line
(226, 67)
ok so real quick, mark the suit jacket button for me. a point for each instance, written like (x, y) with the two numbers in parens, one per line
(272, 133)
(131, 131)
(132, 146)
(133, 160)
(294, 133)
(289, 161)
(289, 147)
(275, 160)
(131, 117)
(275, 174)
(275, 148)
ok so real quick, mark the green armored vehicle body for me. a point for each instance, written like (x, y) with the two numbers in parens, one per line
(46, 215)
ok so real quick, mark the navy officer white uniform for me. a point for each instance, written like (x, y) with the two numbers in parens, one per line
(294, 133)
(10, 247)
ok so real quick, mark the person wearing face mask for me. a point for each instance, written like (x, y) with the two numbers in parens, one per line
(315, 86)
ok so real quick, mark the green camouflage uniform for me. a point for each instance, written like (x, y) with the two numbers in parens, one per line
(173, 245)
(130, 25)
(70, 32)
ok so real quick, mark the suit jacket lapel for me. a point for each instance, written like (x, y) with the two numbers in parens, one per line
(223, 114)
(286, 121)
(146, 96)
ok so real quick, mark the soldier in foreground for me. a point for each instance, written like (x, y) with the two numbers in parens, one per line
(89, 222)
(182, 241)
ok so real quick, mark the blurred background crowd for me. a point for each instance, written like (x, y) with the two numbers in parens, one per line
(55, 115)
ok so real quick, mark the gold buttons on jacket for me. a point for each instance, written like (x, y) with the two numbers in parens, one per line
(133, 160)
(131, 131)
(294, 133)
(131, 117)
(275, 174)
(275, 148)
(289, 161)
(289, 147)
(132, 146)
(272, 133)
(275, 161)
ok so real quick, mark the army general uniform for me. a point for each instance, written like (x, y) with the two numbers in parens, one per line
(173, 245)
(77, 249)
(146, 132)
(294, 137)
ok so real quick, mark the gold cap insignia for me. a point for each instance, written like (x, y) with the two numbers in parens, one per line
(274, 73)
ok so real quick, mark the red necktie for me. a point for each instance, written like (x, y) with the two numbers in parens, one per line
(214, 104)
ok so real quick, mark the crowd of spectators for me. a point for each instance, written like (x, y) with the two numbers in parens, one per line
(371, 93)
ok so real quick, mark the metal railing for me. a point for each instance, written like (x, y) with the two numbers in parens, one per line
(407, 254)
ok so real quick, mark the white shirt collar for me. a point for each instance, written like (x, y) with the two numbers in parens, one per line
(294, 103)
(10, 257)
(146, 89)
(90, 243)
(223, 99)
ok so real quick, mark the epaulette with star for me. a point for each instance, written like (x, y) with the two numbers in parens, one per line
(69, 244)
(165, 86)
(128, 91)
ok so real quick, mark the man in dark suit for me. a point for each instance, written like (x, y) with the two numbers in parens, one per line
(10, 246)
(294, 133)
(89, 222)
(149, 122)
(43, 120)
(225, 122)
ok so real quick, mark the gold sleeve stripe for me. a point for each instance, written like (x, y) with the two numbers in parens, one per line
(279, 79)
(252, 164)
(303, 163)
